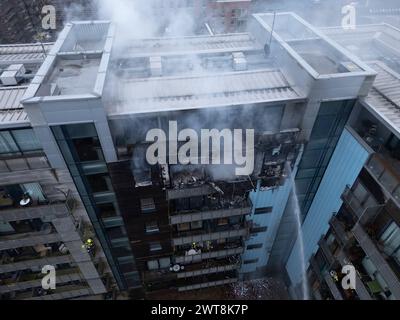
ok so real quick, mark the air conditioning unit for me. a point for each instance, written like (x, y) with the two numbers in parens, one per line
(12, 75)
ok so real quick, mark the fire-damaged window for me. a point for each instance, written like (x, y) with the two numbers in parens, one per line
(189, 226)
(263, 210)
(147, 205)
(152, 227)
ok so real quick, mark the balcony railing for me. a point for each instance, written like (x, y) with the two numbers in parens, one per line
(216, 252)
(337, 295)
(13, 211)
(205, 235)
(362, 211)
(386, 170)
(361, 290)
(210, 266)
(206, 281)
(200, 215)
(326, 251)
(378, 259)
(189, 191)
(25, 281)
(340, 229)
(23, 162)
(28, 261)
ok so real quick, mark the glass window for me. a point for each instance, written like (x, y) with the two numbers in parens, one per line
(263, 210)
(99, 182)
(107, 210)
(155, 246)
(250, 261)
(165, 262)
(7, 144)
(88, 149)
(152, 227)
(391, 241)
(81, 130)
(147, 205)
(152, 264)
(254, 246)
(258, 229)
(26, 140)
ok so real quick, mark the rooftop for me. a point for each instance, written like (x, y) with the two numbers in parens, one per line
(321, 56)
(175, 93)
(31, 56)
(76, 64)
(23, 53)
(191, 45)
(378, 45)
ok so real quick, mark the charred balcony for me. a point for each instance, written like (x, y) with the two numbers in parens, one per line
(200, 251)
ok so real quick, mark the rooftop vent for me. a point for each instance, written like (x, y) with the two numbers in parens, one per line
(239, 61)
(12, 75)
(155, 66)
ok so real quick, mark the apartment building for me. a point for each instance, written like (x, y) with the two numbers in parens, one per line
(359, 222)
(173, 227)
(43, 221)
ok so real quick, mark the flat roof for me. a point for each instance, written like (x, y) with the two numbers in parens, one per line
(379, 46)
(75, 76)
(190, 92)
(23, 53)
(12, 113)
(317, 53)
(192, 44)
(11, 110)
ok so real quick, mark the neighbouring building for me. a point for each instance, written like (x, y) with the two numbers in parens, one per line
(43, 220)
(355, 215)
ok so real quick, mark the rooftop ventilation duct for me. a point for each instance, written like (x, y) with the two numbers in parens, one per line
(239, 61)
(155, 66)
(12, 75)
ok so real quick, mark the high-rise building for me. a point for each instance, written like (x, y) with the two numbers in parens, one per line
(43, 221)
(325, 130)
(354, 217)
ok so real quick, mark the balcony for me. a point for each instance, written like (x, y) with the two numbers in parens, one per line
(23, 280)
(28, 239)
(23, 162)
(337, 295)
(200, 215)
(340, 229)
(209, 267)
(12, 210)
(362, 210)
(62, 292)
(361, 290)
(217, 251)
(326, 251)
(208, 284)
(28, 257)
(188, 191)
(206, 281)
(378, 259)
(385, 169)
(229, 231)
